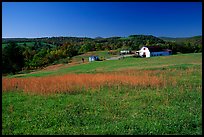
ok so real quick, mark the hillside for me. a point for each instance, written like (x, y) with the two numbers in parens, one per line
(194, 39)
(33, 53)
(132, 41)
(160, 62)
(132, 96)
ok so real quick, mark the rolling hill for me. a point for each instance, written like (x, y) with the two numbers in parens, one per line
(194, 39)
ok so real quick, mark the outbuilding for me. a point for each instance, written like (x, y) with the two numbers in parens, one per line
(122, 52)
(93, 58)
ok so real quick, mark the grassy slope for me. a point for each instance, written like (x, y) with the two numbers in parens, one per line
(100, 54)
(120, 110)
(182, 60)
(123, 111)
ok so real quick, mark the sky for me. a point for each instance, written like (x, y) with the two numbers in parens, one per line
(101, 19)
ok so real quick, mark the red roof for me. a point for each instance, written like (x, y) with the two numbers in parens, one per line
(156, 49)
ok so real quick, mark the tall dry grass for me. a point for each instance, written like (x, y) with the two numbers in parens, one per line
(78, 82)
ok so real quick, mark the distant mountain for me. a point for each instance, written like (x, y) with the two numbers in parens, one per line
(183, 39)
(194, 41)
(136, 39)
(4, 40)
(98, 38)
(133, 40)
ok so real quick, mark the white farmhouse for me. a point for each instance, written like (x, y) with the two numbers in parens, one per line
(149, 51)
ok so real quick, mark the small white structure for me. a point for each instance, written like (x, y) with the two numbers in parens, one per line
(124, 52)
(153, 51)
(93, 58)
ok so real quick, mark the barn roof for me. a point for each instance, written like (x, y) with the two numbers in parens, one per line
(154, 48)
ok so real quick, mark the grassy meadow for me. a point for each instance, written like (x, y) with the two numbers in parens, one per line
(101, 54)
(133, 96)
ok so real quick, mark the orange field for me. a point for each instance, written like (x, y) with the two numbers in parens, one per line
(78, 82)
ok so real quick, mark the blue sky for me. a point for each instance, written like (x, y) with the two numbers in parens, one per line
(104, 19)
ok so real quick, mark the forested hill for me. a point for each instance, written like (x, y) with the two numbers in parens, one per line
(136, 39)
(32, 53)
(140, 38)
(195, 39)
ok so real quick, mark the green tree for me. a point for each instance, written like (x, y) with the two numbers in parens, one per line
(12, 58)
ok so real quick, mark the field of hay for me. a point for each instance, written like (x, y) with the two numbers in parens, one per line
(159, 96)
(77, 82)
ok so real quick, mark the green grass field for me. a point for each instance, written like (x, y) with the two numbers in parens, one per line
(119, 110)
(162, 62)
(100, 54)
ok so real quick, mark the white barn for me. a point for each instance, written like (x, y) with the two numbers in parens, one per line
(149, 51)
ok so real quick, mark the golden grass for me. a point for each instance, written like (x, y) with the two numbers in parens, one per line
(78, 82)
